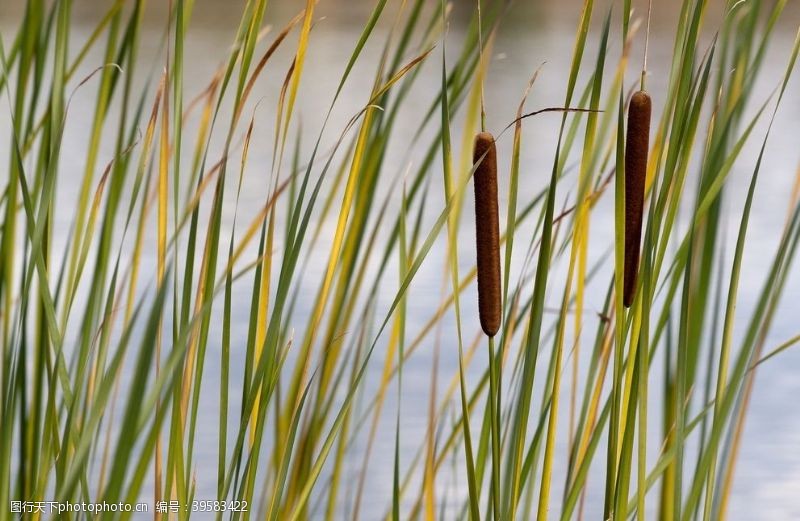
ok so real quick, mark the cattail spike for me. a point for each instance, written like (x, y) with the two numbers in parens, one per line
(487, 227)
(636, 150)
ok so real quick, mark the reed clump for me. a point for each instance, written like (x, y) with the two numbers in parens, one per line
(225, 323)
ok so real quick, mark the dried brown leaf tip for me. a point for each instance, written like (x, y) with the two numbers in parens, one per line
(636, 150)
(487, 233)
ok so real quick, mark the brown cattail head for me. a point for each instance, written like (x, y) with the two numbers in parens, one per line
(487, 227)
(636, 149)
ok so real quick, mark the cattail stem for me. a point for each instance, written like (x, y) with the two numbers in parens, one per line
(636, 150)
(646, 45)
(487, 228)
(494, 412)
